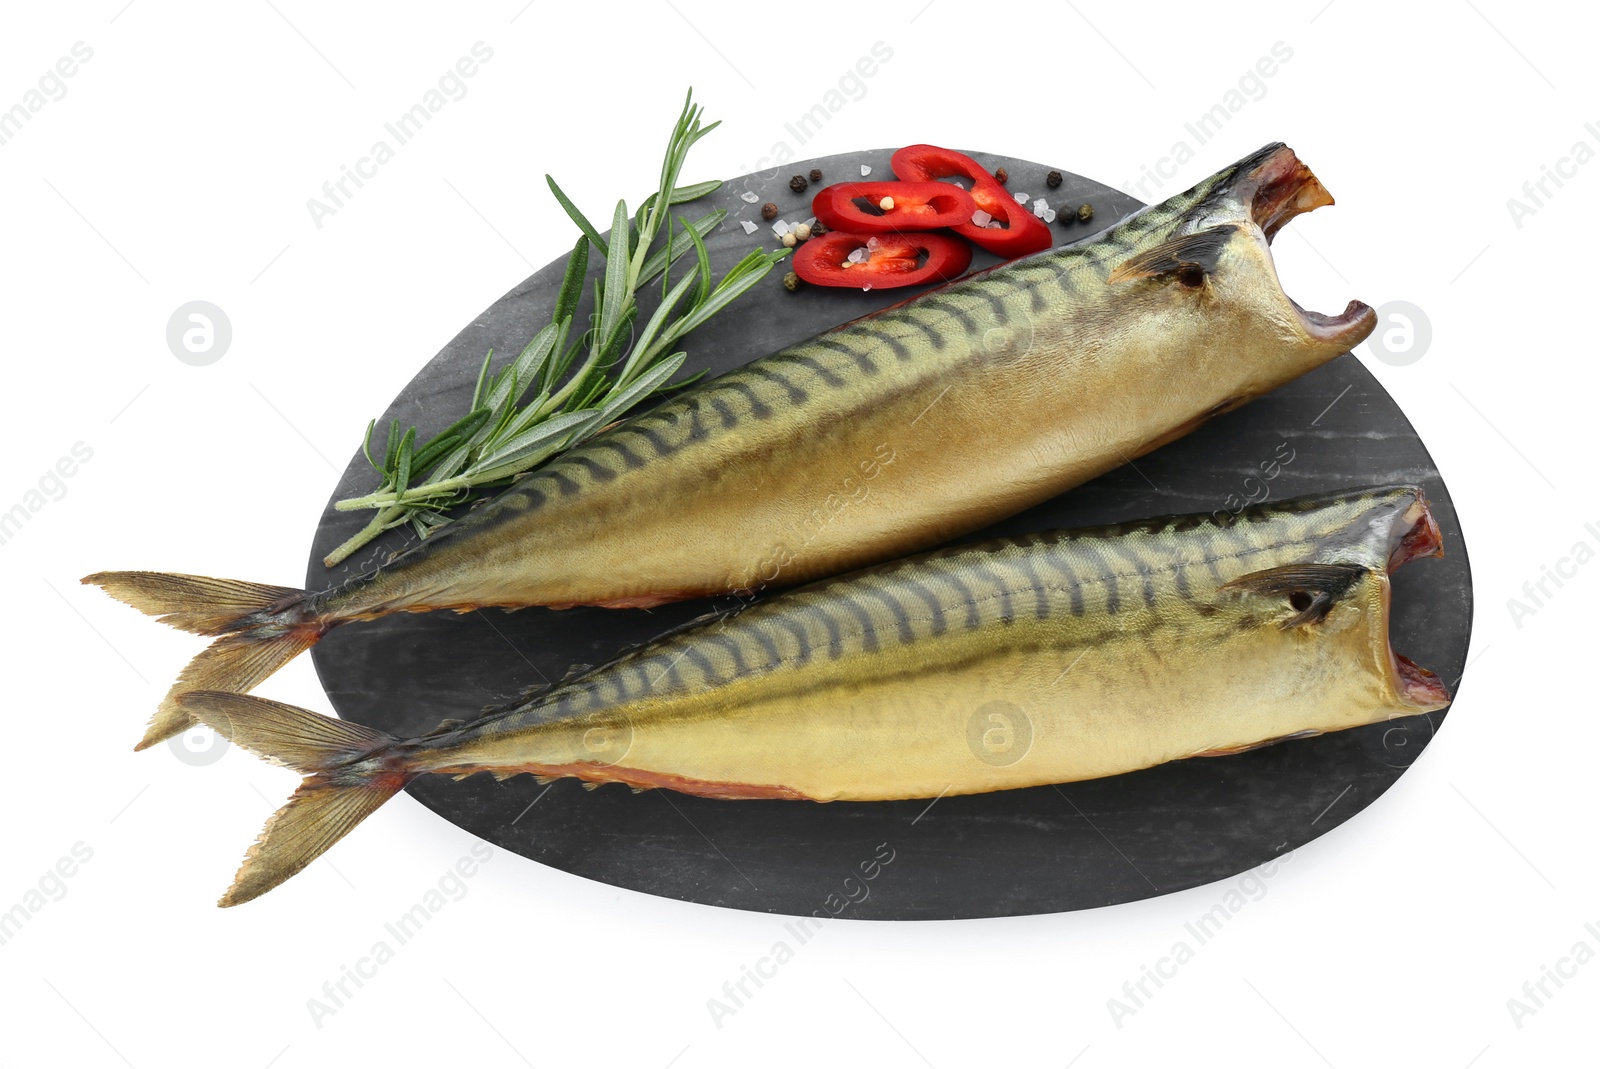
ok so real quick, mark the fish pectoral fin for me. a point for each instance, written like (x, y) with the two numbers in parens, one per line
(1186, 253)
(1229, 751)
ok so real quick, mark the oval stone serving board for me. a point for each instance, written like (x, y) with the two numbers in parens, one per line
(1039, 850)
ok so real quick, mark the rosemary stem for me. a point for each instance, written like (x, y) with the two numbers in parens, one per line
(577, 377)
(380, 522)
(419, 494)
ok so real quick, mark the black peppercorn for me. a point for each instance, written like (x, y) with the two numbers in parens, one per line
(816, 174)
(1053, 179)
(798, 183)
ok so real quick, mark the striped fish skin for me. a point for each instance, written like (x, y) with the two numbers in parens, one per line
(885, 436)
(1043, 659)
(1012, 663)
(908, 427)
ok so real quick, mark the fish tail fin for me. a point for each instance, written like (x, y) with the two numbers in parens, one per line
(236, 663)
(258, 629)
(350, 770)
(195, 603)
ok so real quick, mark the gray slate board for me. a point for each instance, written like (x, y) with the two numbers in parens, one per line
(1040, 850)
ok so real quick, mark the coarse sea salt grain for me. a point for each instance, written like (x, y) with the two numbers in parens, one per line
(1039, 207)
(1022, 198)
(1049, 215)
(748, 197)
(780, 228)
(858, 256)
(749, 227)
(981, 218)
(865, 170)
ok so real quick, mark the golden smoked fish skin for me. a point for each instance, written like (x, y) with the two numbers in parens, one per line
(959, 407)
(887, 435)
(1023, 661)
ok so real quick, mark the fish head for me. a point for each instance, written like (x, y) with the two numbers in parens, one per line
(1206, 255)
(1331, 609)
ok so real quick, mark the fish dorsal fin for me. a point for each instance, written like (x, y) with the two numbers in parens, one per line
(1189, 256)
(1312, 589)
(577, 670)
(444, 728)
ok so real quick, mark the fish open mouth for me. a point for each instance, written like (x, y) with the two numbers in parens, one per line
(1279, 188)
(1416, 535)
(1275, 190)
(1417, 685)
(1349, 328)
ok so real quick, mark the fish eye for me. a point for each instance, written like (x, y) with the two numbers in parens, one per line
(1299, 601)
(1191, 276)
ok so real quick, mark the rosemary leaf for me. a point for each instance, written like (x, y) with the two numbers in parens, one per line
(576, 216)
(366, 446)
(615, 299)
(525, 443)
(646, 384)
(703, 264)
(684, 194)
(572, 281)
(657, 263)
(645, 346)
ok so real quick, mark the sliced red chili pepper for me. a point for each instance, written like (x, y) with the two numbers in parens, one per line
(857, 206)
(1022, 233)
(892, 259)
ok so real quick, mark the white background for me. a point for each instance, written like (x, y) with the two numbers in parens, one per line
(177, 167)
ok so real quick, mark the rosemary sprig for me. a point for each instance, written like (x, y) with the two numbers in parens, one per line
(565, 386)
